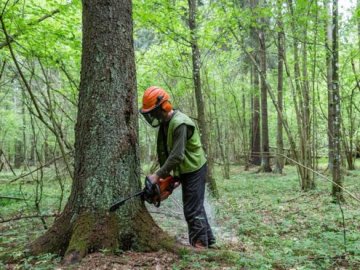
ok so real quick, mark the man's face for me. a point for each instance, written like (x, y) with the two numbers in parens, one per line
(155, 117)
(157, 114)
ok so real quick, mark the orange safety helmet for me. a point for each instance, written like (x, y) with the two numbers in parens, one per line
(154, 100)
(153, 97)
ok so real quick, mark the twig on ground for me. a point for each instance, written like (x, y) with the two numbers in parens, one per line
(12, 198)
(27, 217)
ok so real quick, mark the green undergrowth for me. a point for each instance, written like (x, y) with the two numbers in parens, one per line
(273, 225)
(261, 221)
(26, 193)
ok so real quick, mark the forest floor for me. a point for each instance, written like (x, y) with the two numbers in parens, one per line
(261, 221)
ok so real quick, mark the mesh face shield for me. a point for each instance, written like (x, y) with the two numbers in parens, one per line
(153, 117)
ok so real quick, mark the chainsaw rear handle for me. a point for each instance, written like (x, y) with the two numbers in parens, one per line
(154, 193)
(151, 192)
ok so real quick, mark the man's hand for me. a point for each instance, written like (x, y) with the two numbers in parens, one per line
(154, 178)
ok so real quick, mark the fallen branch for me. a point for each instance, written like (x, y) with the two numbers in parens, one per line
(27, 217)
(12, 198)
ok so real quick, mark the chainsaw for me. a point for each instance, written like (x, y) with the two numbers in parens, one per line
(152, 193)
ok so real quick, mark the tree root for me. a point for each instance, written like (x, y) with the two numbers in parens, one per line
(76, 236)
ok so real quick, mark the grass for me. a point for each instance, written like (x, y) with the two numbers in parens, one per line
(15, 235)
(262, 221)
(279, 227)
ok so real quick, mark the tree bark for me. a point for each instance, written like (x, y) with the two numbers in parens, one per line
(19, 157)
(255, 119)
(302, 104)
(279, 162)
(265, 157)
(358, 26)
(106, 145)
(198, 93)
(337, 192)
(328, 49)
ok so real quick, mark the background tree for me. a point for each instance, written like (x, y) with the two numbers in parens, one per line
(255, 100)
(279, 135)
(335, 111)
(200, 105)
(265, 155)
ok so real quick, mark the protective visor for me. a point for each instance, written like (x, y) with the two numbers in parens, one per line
(153, 116)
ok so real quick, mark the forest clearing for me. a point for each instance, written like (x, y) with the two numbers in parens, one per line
(179, 134)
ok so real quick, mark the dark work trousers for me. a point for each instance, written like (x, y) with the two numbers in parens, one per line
(193, 191)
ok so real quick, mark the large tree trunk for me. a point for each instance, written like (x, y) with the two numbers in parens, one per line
(335, 113)
(198, 93)
(106, 145)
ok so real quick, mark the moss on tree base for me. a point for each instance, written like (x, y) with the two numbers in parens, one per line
(89, 232)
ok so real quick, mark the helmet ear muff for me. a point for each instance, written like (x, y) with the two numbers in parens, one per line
(166, 106)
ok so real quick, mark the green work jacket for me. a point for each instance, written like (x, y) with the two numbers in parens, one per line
(194, 157)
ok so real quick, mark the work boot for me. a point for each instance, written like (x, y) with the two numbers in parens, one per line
(199, 245)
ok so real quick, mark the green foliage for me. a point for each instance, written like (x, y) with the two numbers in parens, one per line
(280, 228)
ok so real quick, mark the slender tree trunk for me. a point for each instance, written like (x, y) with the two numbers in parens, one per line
(221, 142)
(329, 55)
(198, 92)
(306, 141)
(336, 172)
(255, 120)
(23, 129)
(279, 163)
(244, 129)
(315, 79)
(358, 26)
(265, 155)
(47, 149)
(32, 157)
(19, 158)
(106, 145)
(302, 104)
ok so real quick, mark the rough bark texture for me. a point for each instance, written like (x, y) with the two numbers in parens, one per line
(335, 117)
(198, 92)
(106, 145)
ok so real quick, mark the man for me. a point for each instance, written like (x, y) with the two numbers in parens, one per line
(179, 150)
